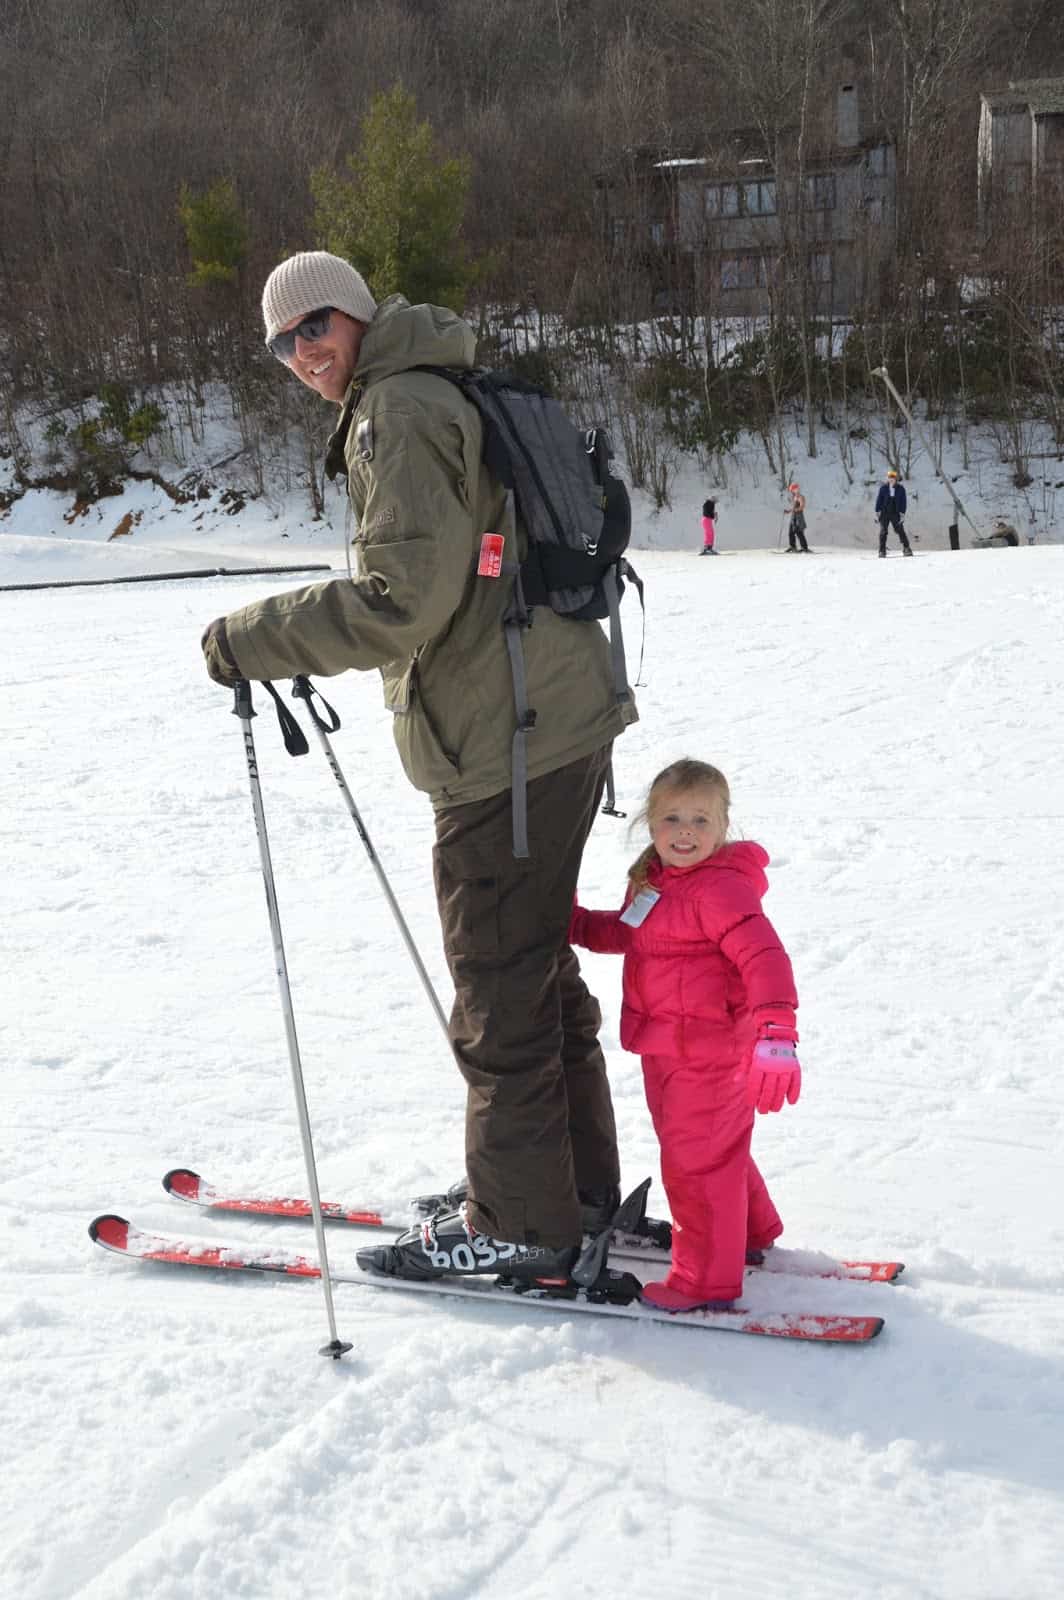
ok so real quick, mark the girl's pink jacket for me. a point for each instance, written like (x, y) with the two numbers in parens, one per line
(706, 968)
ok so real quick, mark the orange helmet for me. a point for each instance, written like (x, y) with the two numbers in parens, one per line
(792, 488)
(891, 473)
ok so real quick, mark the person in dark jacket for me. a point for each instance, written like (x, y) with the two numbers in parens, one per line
(890, 511)
(796, 540)
(541, 1150)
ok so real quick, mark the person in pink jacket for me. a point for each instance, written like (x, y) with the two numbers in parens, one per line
(709, 527)
(709, 1004)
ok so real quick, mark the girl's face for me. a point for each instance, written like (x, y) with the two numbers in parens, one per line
(687, 827)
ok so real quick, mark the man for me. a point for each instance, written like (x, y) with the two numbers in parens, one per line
(541, 1154)
(796, 531)
(890, 509)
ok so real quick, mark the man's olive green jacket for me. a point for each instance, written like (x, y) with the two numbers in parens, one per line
(417, 609)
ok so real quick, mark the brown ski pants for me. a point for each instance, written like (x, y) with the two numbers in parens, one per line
(539, 1119)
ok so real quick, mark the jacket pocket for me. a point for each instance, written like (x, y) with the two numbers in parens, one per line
(426, 760)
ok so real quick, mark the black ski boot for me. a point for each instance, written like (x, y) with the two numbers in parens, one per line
(597, 1207)
(447, 1245)
(427, 1205)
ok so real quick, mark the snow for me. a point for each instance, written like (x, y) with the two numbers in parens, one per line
(891, 732)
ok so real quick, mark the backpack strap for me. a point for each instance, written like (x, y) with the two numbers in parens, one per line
(611, 588)
(516, 618)
(526, 721)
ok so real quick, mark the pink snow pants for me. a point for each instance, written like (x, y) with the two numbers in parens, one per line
(718, 1199)
(709, 533)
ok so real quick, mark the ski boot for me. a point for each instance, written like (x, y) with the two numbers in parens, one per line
(427, 1205)
(665, 1298)
(597, 1207)
(447, 1245)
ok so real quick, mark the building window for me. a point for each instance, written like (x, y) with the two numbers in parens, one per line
(820, 192)
(746, 272)
(872, 205)
(875, 161)
(760, 198)
(618, 228)
(755, 199)
(820, 267)
(657, 233)
(721, 199)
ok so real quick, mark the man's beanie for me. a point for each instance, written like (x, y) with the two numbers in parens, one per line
(308, 282)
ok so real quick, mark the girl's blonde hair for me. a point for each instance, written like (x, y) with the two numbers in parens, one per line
(681, 777)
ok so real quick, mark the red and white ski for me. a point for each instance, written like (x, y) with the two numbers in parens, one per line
(117, 1234)
(187, 1185)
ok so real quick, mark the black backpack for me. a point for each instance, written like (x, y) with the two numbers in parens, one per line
(578, 520)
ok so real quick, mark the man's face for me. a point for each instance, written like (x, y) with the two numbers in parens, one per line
(327, 364)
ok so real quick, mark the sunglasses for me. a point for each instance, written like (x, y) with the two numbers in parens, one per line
(313, 325)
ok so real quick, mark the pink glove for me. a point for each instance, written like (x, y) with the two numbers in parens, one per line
(773, 1074)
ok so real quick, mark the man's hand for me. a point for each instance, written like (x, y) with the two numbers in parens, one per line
(218, 656)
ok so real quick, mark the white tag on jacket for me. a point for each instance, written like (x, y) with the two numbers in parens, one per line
(642, 905)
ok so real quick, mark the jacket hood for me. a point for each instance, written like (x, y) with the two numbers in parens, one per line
(744, 856)
(402, 336)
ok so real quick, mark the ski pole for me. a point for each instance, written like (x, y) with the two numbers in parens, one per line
(243, 709)
(303, 689)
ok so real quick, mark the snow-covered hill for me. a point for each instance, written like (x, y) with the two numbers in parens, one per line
(977, 466)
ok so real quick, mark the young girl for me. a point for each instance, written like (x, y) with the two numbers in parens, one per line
(709, 1004)
(709, 531)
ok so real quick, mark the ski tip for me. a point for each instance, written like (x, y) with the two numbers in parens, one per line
(884, 1271)
(183, 1183)
(110, 1231)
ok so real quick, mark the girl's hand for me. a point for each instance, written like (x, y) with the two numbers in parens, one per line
(773, 1073)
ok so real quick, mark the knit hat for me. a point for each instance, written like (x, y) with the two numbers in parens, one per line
(309, 281)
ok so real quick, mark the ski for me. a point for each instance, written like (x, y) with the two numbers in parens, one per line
(116, 1234)
(184, 1184)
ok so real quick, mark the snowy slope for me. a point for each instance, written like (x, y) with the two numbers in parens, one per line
(892, 734)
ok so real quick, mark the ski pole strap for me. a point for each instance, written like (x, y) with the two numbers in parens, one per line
(303, 689)
(295, 740)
